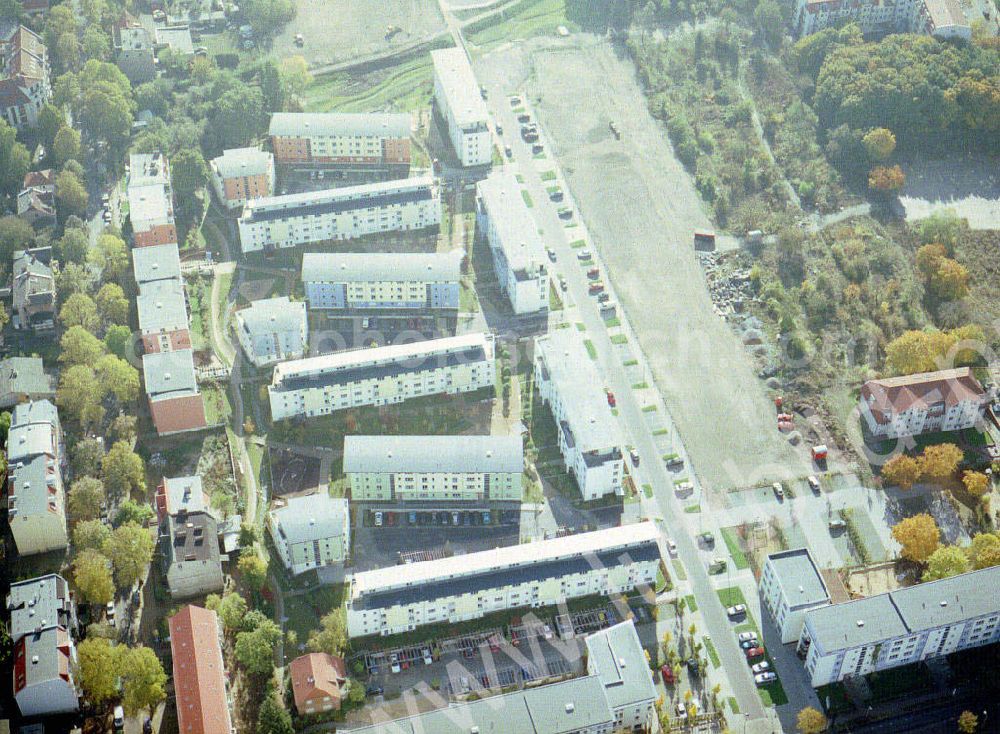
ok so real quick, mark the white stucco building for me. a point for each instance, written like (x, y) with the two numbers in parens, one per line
(457, 97)
(942, 19)
(311, 532)
(790, 585)
(241, 174)
(273, 330)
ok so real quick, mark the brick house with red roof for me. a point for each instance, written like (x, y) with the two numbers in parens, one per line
(317, 682)
(200, 681)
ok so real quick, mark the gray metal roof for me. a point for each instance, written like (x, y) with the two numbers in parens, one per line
(237, 162)
(157, 262)
(313, 517)
(272, 315)
(161, 306)
(434, 454)
(936, 603)
(334, 124)
(39, 602)
(364, 267)
(799, 579)
(23, 376)
(29, 484)
(856, 623)
(44, 660)
(452, 68)
(169, 374)
(34, 427)
(616, 656)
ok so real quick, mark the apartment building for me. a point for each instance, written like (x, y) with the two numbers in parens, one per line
(150, 200)
(175, 402)
(945, 20)
(311, 532)
(134, 49)
(42, 623)
(23, 379)
(791, 585)
(241, 174)
(36, 201)
(200, 680)
(359, 141)
(156, 264)
(590, 439)
(502, 217)
(33, 292)
(946, 400)
(616, 693)
(162, 314)
(381, 375)
(461, 106)
(401, 598)
(318, 682)
(192, 560)
(382, 280)
(25, 80)
(36, 502)
(426, 469)
(180, 496)
(942, 19)
(340, 214)
(273, 330)
(900, 627)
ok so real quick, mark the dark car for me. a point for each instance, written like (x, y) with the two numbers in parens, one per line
(524, 117)
(374, 690)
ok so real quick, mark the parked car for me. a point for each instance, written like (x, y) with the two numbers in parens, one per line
(814, 484)
(595, 287)
(707, 538)
(750, 644)
(426, 653)
(454, 518)
(760, 667)
(119, 718)
(681, 710)
(378, 519)
(374, 690)
(551, 253)
(671, 547)
(563, 285)
(667, 673)
(744, 636)
(603, 297)
(837, 525)
(737, 611)
(565, 213)
(486, 517)
(633, 454)
(779, 491)
(524, 117)
(755, 652)
(556, 195)
(515, 101)
(537, 148)
(394, 663)
(594, 273)
(763, 678)
(508, 151)
(612, 400)
(584, 255)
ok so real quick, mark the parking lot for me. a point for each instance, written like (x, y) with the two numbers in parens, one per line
(378, 547)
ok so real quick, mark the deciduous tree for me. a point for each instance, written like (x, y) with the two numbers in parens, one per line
(92, 575)
(123, 470)
(112, 304)
(879, 144)
(72, 246)
(97, 669)
(15, 234)
(272, 718)
(79, 346)
(976, 483)
(968, 722)
(948, 560)
(902, 470)
(255, 648)
(86, 457)
(66, 146)
(118, 378)
(14, 160)
(331, 637)
(80, 310)
(918, 535)
(86, 495)
(110, 255)
(118, 340)
(231, 608)
(940, 461)
(79, 395)
(886, 179)
(90, 534)
(253, 571)
(984, 551)
(143, 680)
(811, 721)
(71, 194)
(130, 549)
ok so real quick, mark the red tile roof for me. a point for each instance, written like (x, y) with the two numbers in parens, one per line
(316, 675)
(39, 178)
(199, 675)
(894, 395)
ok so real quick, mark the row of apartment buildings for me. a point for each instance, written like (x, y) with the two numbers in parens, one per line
(942, 19)
(365, 142)
(175, 402)
(189, 528)
(862, 636)
(398, 599)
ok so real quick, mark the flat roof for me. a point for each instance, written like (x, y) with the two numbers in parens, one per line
(24, 375)
(146, 169)
(178, 38)
(33, 429)
(461, 90)
(369, 267)
(29, 482)
(156, 262)
(237, 162)
(311, 203)
(434, 454)
(859, 622)
(38, 603)
(169, 374)
(160, 306)
(185, 494)
(334, 124)
(936, 603)
(272, 315)
(313, 517)
(146, 203)
(616, 656)
(516, 228)
(585, 404)
(946, 13)
(422, 576)
(799, 578)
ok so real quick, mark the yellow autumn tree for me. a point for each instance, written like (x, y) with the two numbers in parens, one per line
(903, 471)
(918, 535)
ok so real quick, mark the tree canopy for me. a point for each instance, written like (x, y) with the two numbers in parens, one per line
(918, 535)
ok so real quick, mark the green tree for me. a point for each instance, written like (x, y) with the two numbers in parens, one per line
(130, 511)
(97, 669)
(927, 351)
(95, 44)
(879, 144)
(86, 495)
(110, 255)
(72, 278)
(79, 395)
(72, 246)
(50, 121)
(255, 648)
(237, 120)
(15, 234)
(130, 549)
(118, 340)
(331, 637)
(918, 535)
(14, 160)
(143, 680)
(112, 304)
(943, 227)
(253, 571)
(79, 346)
(266, 17)
(355, 692)
(66, 146)
(231, 608)
(272, 718)
(295, 76)
(188, 172)
(950, 281)
(90, 535)
(946, 561)
(984, 551)
(71, 194)
(86, 457)
(770, 21)
(118, 378)
(80, 310)
(123, 470)
(92, 576)
(123, 428)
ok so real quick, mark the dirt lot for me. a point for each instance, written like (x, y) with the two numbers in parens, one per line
(295, 474)
(337, 30)
(641, 208)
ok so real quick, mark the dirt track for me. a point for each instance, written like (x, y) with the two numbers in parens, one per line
(641, 209)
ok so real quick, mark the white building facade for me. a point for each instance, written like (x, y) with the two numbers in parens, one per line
(381, 375)
(311, 532)
(543, 573)
(458, 99)
(791, 585)
(340, 214)
(502, 216)
(942, 19)
(273, 330)
(590, 440)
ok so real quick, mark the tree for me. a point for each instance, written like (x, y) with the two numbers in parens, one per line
(123, 470)
(927, 351)
(984, 551)
(80, 310)
(976, 483)
(331, 637)
(940, 461)
(130, 511)
(110, 255)
(267, 16)
(902, 470)
(92, 576)
(118, 340)
(123, 428)
(79, 395)
(90, 535)
(950, 281)
(51, 120)
(95, 44)
(15, 234)
(918, 535)
(253, 571)
(255, 648)
(355, 691)
(237, 118)
(66, 146)
(231, 608)
(946, 561)
(97, 669)
(295, 76)
(86, 495)
(770, 21)
(143, 680)
(886, 179)
(879, 144)
(811, 721)
(71, 194)
(86, 457)
(942, 227)
(130, 549)
(968, 722)
(14, 160)
(72, 278)
(188, 172)
(112, 304)
(272, 718)
(72, 246)
(79, 346)
(118, 378)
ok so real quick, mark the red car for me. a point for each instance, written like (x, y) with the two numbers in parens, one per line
(668, 674)
(755, 652)
(611, 398)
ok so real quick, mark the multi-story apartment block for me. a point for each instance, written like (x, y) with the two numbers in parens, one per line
(381, 375)
(241, 174)
(396, 599)
(273, 330)
(943, 19)
(340, 214)
(434, 468)
(900, 627)
(175, 402)
(384, 280)
(311, 532)
(518, 255)
(34, 289)
(589, 436)
(192, 561)
(345, 141)
(150, 200)
(458, 100)
(23, 379)
(947, 400)
(162, 314)
(155, 264)
(134, 49)
(42, 623)
(790, 586)
(204, 703)
(25, 84)
(615, 694)
(36, 503)
(182, 495)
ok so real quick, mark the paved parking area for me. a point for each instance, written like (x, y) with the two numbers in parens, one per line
(380, 547)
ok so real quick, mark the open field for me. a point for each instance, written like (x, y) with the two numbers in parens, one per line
(403, 87)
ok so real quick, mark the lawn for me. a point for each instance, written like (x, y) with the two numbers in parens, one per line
(710, 649)
(304, 611)
(679, 569)
(527, 198)
(735, 707)
(640, 385)
(630, 362)
(577, 244)
(406, 86)
(591, 349)
(216, 402)
(612, 322)
(662, 582)
(555, 302)
(580, 326)
(733, 544)
(649, 409)
(548, 175)
(647, 489)
(619, 339)
(773, 693)
(692, 509)
(467, 300)
(692, 605)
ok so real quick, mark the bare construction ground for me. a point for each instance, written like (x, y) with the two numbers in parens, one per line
(641, 209)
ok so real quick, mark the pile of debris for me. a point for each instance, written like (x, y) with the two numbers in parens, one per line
(728, 284)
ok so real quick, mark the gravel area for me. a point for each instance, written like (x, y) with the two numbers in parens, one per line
(641, 209)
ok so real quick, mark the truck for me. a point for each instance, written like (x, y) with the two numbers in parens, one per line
(704, 240)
